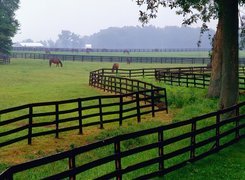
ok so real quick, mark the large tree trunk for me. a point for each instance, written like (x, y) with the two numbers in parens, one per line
(229, 84)
(216, 62)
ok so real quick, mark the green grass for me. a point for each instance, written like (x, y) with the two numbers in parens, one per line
(138, 54)
(133, 54)
(30, 81)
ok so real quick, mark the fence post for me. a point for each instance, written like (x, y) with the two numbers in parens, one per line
(138, 106)
(115, 85)
(118, 159)
(126, 86)
(72, 165)
(101, 116)
(193, 139)
(30, 125)
(120, 86)
(217, 130)
(152, 103)
(56, 120)
(237, 123)
(132, 86)
(161, 152)
(104, 82)
(194, 79)
(80, 116)
(121, 110)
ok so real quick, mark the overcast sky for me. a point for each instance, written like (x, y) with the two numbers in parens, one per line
(45, 19)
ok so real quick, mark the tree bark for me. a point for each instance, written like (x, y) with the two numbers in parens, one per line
(229, 83)
(216, 62)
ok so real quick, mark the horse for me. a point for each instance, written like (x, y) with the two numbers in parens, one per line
(126, 51)
(115, 67)
(56, 61)
(129, 60)
(47, 51)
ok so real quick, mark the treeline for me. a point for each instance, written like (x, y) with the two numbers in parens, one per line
(148, 37)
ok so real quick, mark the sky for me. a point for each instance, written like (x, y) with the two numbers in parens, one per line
(45, 19)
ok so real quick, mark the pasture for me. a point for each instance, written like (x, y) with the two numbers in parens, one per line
(30, 81)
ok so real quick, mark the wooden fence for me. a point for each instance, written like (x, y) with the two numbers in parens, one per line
(151, 72)
(206, 134)
(182, 76)
(191, 79)
(4, 59)
(123, 59)
(39, 119)
(123, 85)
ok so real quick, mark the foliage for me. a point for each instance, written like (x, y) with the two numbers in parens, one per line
(134, 37)
(8, 24)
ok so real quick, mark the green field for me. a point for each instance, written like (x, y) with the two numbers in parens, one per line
(30, 81)
(192, 54)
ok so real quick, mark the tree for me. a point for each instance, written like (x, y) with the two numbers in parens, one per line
(226, 39)
(68, 39)
(8, 24)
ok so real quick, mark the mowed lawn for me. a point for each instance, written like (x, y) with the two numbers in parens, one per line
(30, 81)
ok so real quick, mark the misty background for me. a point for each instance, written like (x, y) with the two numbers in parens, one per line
(133, 37)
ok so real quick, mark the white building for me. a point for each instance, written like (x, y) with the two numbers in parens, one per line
(29, 44)
(88, 46)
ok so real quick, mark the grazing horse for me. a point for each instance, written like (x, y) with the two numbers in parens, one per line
(56, 61)
(115, 67)
(47, 51)
(126, 51)
(129, 60)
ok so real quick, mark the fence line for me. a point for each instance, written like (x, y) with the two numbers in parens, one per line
(204, 139)
(182, 76)
(82, 112)
(191, 79)
(124, 59)
(4, 59)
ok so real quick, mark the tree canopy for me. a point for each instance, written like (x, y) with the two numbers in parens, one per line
(8, 24)
(226, 11)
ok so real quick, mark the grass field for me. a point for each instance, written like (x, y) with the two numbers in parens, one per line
(29, 81)
(139, 54)
(133, 54)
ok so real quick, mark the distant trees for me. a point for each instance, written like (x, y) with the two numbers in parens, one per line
(8, 24)
(68, 39)
(134, 37)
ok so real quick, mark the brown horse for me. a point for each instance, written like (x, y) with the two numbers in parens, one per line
(115, 67)
(56, 61)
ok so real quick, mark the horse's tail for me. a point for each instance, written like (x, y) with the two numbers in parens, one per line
(60, 63)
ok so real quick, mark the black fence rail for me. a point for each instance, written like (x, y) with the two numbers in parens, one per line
(39, 119)
(121, 85)
(200, 140)
(125, 59)
(195, 78)
(151, 72)
(4, 59)
(182, 76)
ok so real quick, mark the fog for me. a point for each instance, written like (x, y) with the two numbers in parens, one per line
(45, 19)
